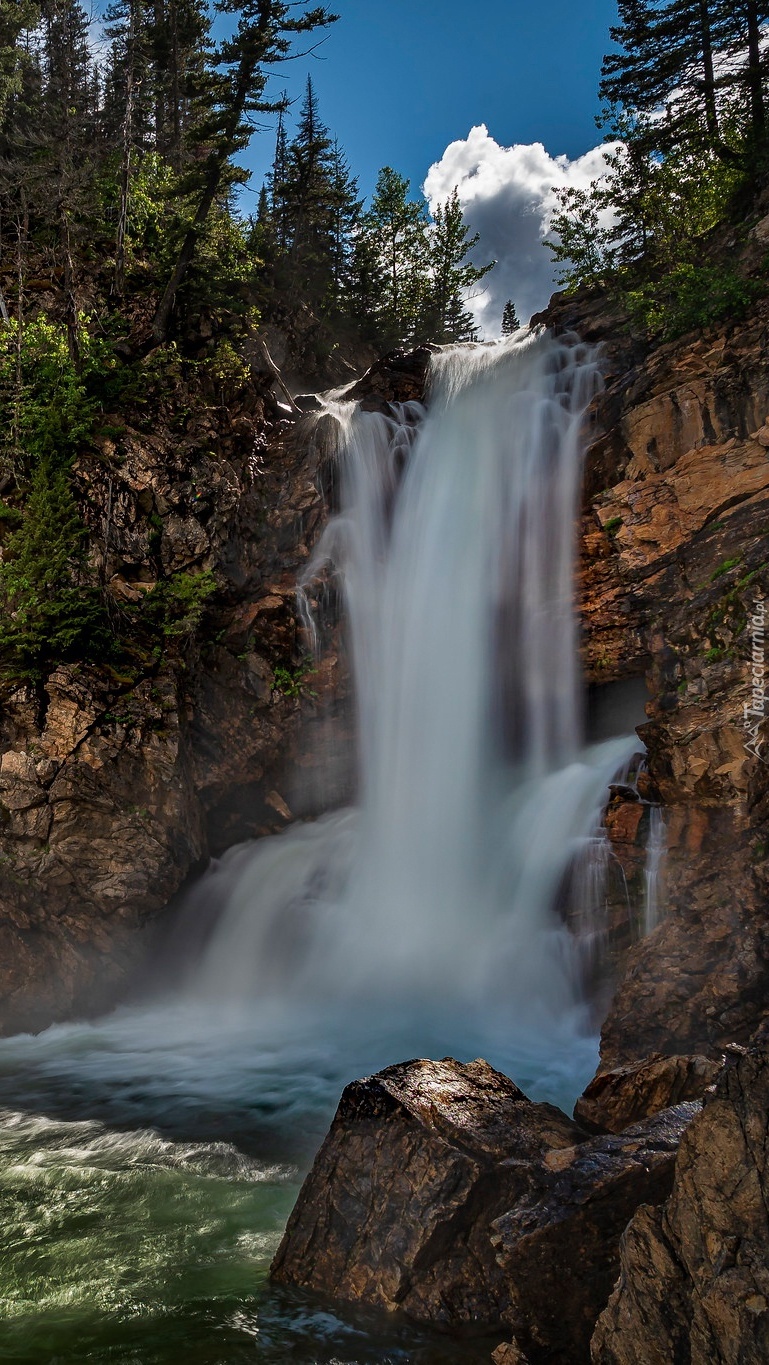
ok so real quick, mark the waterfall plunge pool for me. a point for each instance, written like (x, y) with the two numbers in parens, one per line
(148, 1161)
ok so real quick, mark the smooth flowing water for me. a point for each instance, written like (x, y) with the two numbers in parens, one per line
(149, 1160)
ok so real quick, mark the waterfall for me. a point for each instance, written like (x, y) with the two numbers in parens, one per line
(454, 547)
(655, 852)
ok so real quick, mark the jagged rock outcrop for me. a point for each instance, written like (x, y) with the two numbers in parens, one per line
(616, 1099)
(442, 1191)
(117, 782)
(673, 563)
(694, 1284)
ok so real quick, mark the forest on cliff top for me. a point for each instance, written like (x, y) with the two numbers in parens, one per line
(131, 280)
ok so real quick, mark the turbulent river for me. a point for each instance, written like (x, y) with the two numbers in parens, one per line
(148, 1161)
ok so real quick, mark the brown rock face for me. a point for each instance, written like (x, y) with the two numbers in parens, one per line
(508, 1354)
(441, 1190)
(397, 1209)
(616, 1099)
(559, 1247)
(673, 561)
(114, 786)
(694, 1284)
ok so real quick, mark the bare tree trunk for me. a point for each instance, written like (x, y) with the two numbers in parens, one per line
(722, 151)
(70, 299)
(755, 84)
(159, 64)
(125, 168)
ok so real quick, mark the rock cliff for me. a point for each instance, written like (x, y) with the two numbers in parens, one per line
(694, 1284)
(442, 1191)
(674, 572)
(117, 783)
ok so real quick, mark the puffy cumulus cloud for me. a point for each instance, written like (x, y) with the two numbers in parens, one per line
(507, 196)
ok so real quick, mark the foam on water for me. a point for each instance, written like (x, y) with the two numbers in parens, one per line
(429, 920)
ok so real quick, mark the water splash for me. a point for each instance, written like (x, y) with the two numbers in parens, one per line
(454, 549)
(655, 853)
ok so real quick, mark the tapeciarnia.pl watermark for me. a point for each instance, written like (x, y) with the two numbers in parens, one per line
(754, 711)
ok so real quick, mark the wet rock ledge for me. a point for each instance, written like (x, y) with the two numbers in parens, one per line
(443, 1192)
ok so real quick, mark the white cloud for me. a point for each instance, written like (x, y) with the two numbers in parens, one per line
(507, 196)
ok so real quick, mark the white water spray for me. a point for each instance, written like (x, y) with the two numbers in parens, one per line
(455, 548)
(655, 853)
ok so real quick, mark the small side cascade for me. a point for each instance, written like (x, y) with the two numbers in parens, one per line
(655, 854)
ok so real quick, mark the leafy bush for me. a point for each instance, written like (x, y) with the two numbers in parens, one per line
(690, 297)
(176, 606)
(47, 613)
(48, 406)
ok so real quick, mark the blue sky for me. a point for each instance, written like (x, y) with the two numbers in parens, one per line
(497, 99)
(398, 81)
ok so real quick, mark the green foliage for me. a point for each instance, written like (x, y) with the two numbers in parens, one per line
(725, 567)
(48, 612)
(612, 526)
(48, 405)
(228, 370)
(292, 682)
(177, 605)
(449, 277)
(510, 323)
(691, 297)
(15, 17)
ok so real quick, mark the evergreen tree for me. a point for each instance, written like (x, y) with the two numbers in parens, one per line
(276, 183)
(346, 208)
(510, 323)
(445, 316)
(262, 40)
(364, 292)
(16, 17)
(66, 133)
(679, 58)
(48, 612)
(398, 225)
(308, 195)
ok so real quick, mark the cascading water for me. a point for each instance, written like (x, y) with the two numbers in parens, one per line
(431, 918)
(655, 853)
(455, 547)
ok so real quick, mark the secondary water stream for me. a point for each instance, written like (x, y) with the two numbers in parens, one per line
(148, 1161)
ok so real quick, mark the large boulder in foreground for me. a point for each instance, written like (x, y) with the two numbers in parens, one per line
(442, 1191)
(419, 1161)
(694, 1285)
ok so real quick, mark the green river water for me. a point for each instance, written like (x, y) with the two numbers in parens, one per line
(148, 1164)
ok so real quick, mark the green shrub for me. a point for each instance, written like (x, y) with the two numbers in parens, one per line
(691, 297)
(176, 606)
(48, 406)
(48, 613)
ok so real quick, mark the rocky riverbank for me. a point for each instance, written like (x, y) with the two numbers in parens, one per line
(441, 1191)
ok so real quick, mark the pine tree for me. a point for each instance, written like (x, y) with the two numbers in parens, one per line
(276, 183)
(510, 323)
(66, 132)
(398, 225)
(308, 194)
(178, 44)
(262, 40)
(680, 58)
(47, 611)
(445, 316)
(346, 208)
(16, 17)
